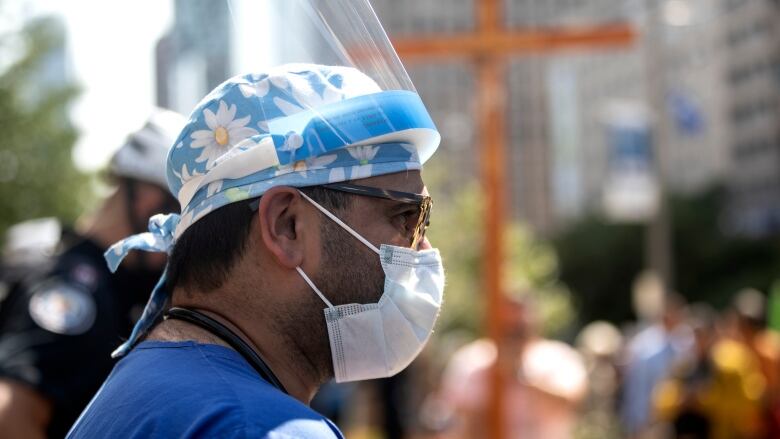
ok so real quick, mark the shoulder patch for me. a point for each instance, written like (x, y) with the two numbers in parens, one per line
(62, 309)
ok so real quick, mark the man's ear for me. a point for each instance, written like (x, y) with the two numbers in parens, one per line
(281, 219)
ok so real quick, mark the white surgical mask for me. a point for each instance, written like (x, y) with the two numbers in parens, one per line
(378, 340)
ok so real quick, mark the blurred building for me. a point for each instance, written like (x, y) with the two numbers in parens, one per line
(211, 41)
(750, 41)
(195, 55)
(695, 155)
(722, 78)
(54, 69)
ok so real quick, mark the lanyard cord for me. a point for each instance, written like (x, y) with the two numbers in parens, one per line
(221, 331)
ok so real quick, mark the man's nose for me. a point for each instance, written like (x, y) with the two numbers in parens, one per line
(424, 244)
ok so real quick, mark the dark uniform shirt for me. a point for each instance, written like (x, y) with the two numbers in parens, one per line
(59, 325)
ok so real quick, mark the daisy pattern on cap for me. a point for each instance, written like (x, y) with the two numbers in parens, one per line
(364, 155)
(258, 89)
(303, 166)
(224, 131)
(185, 175)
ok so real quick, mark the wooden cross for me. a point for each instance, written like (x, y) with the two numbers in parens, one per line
(488, 48)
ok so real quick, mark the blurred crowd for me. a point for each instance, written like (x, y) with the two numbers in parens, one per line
(681, 370)
(696, 373)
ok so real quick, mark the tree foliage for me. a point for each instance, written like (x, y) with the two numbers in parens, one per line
(37, 174)
(457, 229)
(599, 260)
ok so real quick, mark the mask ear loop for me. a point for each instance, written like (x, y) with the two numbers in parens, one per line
(314, 287)
(341, 223)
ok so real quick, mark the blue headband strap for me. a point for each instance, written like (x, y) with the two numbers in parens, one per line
(159, 238)
(348, 122)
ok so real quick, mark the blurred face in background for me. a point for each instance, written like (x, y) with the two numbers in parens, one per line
(674, 311)
(518, 320)
(702, 321)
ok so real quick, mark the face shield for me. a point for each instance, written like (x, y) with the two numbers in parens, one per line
(329, 32)
(365, 97)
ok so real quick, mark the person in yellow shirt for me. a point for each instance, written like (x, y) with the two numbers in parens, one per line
(716, 392)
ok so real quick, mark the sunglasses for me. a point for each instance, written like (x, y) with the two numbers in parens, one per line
(424, 203)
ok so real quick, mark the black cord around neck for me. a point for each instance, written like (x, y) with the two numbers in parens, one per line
(221, 331)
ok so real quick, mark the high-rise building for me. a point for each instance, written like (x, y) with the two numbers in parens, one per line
(694, 155)
(53, 69)
(750, 42)
(195, 56)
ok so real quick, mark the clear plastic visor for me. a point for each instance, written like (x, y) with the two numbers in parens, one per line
(328, 32)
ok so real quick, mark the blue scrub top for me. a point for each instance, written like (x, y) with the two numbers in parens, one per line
(188, 389)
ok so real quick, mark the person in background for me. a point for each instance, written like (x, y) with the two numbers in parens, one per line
(682, 398)
(64, 313)
(719, 389)
(545, 380)
(749, 326)
(651, 352)
(600, 343)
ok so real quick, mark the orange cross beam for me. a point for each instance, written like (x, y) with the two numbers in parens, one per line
(489, 46)
(519, 42)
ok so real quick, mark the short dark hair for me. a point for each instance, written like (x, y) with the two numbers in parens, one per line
(206, 252)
